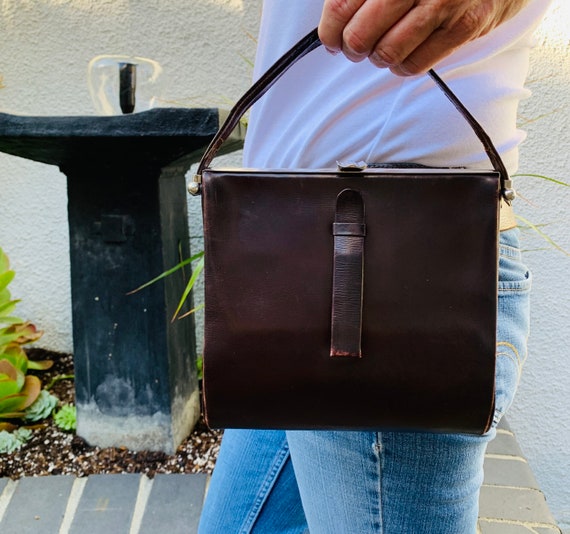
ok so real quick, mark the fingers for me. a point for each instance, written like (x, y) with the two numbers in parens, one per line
(423, 37)
(408, 36)
(434, 48)
(433, 43)
(355, 32)
(384, 30)
(336, 15)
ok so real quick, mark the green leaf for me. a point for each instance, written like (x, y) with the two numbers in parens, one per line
(200, 367)
(195, 273)
(57, 379)
(246, 59)
(542, 177)
(42, 407)
(4, 261)
(32, 388)
(178, 266)
(7, 308)
(545, 236)
(8, 427)
(12, 441)
(66, 418)
(12, 415)
(8, 386)
(8, 336)
(12, 406)
(27, 332)
(10, 373)
(5, 278)
(40, 365)
(16, 356)
(193, 310)
(5, 295)
(10, 320)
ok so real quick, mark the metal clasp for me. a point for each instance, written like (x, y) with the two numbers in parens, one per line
(509, 194)
(351, 166)
(195, 186)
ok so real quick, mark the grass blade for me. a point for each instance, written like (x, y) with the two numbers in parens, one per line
(178, 266)
(543, 177)
(545, 236)
(195, 273)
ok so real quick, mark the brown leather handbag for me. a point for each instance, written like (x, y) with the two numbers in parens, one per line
(351, 298)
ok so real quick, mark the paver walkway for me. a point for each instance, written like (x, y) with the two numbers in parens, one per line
(511, 501)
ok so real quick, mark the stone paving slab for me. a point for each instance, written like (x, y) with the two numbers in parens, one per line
(509, 528)
(176, 501)
(514, 504)
(504, 443)
(509, 471)
(107, 504)
(37, 505)
(4, 497)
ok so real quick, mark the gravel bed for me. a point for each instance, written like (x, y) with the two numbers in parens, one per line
(54, 452)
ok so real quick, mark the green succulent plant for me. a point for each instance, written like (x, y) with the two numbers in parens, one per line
(12, 441)
(66, 417)
(42, 407)
(18, 390)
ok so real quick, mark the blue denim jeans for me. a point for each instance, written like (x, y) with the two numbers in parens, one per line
(343, 482)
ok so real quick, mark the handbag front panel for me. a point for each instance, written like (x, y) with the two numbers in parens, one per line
(428, 308)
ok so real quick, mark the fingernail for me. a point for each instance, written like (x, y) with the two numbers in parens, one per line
(378, 61)
(332, 51)
(403, 70)
(354, 56)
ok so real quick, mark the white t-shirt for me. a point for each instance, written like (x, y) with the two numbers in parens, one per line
(326, 108)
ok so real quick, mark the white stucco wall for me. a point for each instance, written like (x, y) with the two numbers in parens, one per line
(541, 414)
(45, 47)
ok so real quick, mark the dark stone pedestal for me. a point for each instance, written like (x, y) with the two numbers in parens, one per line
(135, 370)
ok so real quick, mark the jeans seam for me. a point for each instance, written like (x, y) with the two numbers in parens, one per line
(265, 489)
(510, 252)
(379, 449)
(513, 354)
(518, 289)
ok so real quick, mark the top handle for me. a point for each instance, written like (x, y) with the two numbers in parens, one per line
(309, 43)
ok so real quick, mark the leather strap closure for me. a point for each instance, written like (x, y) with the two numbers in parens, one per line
(349, 231)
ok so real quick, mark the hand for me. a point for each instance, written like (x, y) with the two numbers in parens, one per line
(408, 36)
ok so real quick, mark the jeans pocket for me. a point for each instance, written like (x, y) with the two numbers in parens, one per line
(513, 321)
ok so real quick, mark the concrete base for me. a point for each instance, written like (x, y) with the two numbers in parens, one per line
(157, 432)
